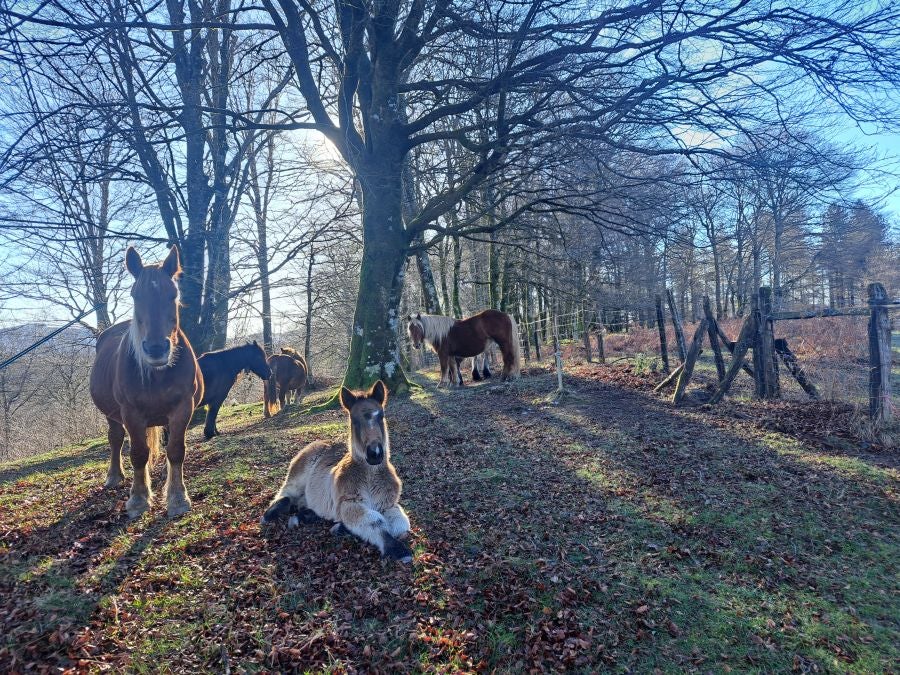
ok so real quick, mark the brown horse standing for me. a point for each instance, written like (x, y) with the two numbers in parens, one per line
(145, 376)
(451, 338)
(288, 378)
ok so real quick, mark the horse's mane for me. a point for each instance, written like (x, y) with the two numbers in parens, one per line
(435, 327)
(230, 351)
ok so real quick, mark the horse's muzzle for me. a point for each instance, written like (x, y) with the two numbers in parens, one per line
(375, 454)
(157, 353)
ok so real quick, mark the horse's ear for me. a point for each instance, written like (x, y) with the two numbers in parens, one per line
(347, 399)
(419, 316)
(379, 393)
(133, 261)
(172, 265)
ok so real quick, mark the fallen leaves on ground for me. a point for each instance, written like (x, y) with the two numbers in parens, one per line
(611, 531)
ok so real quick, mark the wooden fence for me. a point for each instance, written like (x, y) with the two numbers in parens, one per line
(758, 335)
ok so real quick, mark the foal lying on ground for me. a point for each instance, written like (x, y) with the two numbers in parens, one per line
(355, 485)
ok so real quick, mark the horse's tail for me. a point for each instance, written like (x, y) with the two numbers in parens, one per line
(516, 369)
(154, 442)
(270, 397)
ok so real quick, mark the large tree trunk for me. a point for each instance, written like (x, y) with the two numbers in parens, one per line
(374, 351)
(214, 318)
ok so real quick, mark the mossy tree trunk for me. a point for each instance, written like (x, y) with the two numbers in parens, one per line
(374, 349)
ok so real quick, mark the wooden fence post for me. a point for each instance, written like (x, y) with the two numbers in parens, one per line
(689, 362)
(765, 367)
(670, 378)
(526, 341)
(661, 326)
(879, 356)
(737, 357)
(601, 354)
(794, 368)
(711, 327)
(676, 322)
(729, 345)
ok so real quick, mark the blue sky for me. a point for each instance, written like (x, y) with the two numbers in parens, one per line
(887, 148)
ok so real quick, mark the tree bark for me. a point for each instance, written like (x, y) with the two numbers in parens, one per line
(661, 326)
(307, 341)
(457, 266)
(374, 350)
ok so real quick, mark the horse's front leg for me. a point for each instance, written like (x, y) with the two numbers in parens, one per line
(116, 436)
(455, 377)
(371, 526)
(212, 414)
(445, 366)
(141, 495)
(177, 500)
(397, 521)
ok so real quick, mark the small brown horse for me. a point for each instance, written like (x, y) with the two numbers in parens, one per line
(287, 380)
(145, 376)
(462, 338)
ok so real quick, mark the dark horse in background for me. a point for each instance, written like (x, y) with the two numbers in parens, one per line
(451, 338)
(145, 376)
(478, 374)
(288, 378)
(220, 371)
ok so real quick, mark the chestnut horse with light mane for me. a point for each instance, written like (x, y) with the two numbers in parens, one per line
(286, 382)
(145, 376)
(451, 338)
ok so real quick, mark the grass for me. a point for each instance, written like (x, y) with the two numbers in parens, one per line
(608, 532)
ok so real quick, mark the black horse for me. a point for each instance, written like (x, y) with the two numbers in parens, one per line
(220, 371)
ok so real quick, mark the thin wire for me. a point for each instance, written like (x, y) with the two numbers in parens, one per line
(50, 336)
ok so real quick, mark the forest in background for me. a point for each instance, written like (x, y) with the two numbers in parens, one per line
(322, 178)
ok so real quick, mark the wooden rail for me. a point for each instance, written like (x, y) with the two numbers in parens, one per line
(817, 313)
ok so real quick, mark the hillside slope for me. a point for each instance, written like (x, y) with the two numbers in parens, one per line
(610, 530)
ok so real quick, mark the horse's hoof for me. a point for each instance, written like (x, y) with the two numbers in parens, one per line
(178, 507)
(398, 550)
(340, 530)
(113, 481)
(293, 522)
(135, 507)
(308, 516)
